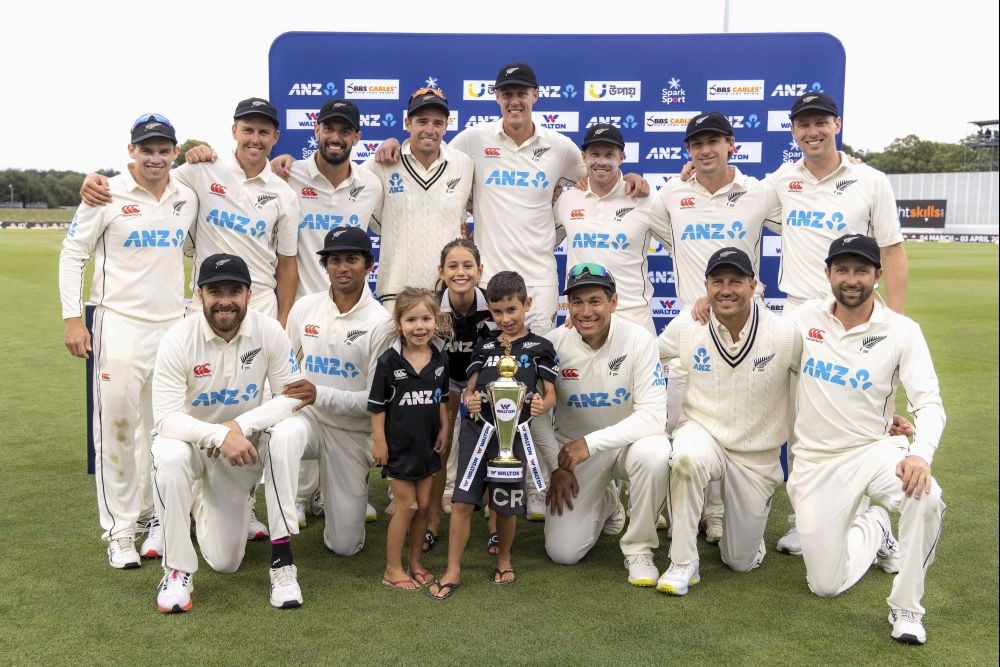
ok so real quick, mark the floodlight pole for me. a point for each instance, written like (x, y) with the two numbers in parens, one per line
(11, 193)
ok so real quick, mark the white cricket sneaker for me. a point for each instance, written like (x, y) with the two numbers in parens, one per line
(317, 505)
(370, 514)
(907, 626)
(615, 523)
(176, 588)
(152, 546)
(678, 577)
(122, 553)
(536, 506)
(789, 543)
(888, 556)
(285, 591)
(641, 569)
(712, 525)
(256, 530)
(300, 514)
(142, 526)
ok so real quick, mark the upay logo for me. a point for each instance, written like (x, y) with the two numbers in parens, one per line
(130, 210)
(576, 214)
(217, 189)
(687, 202)
(815, 335)
(311, 330)
(202, 370)
(309, 193)
(491, 151)
(795, 186)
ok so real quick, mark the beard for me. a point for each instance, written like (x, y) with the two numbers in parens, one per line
(335, 159)
(225, 319)
(852, 301)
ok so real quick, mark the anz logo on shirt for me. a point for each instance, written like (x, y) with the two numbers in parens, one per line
(154, 238)
(326, 222)
(226, 396)
(459, 346)
(816, 220)
(837, 374)
(237, 223)
(421, 397)
(600, 241)
(523, 361)
(702, 362)
(395, 183)
(599, 399)
(658, 379)
(713, 231)
(330, 366)
(517, 179)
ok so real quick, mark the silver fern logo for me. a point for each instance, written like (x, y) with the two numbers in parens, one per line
(622, 212)
(760, 362)
(453, 183)
(264, 200)
(840, 186)
(615, 365)
(734, 197)
(247, 358)
(356, 191)
(868, 342)
(354, 334)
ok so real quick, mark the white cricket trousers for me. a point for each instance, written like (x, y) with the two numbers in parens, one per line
(541, 318)
(344, 460)
(124, 354)
(220, 508)
(746, 486)
(839, 545)
(644, 465)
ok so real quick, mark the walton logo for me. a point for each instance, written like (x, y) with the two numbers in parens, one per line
(201, 370)
(356, 191)
(491, 151)
(421, 397)
(599, 399)
(248, 357)
(734, 197)
(868, 342)
(760, 362)
(354, 334)
(570, 374)
(395, 183)
(837, 374)
(309, 193)
(311, 330)
(600, 240)
(687, 202)
(702, 362)
(795, 186)
(713, 231)
(130, 210)
(843, 185)
(330, 366)
(816, 220)
(815, 335)
(576, 214)
(505, 409)
(614, 366)
(217, 189)
(622, 212)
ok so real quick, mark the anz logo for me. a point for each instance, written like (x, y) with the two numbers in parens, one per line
(599, 399)
(816, 220)
(152, 238)
(330, 366)
(237, 223)
(523, 361)
(517, 179)
(600, 241)
(326, 222)
(837, 374)
(421, 397)
(702, 362)
(713, 231)
(226, 396)
(395, 183)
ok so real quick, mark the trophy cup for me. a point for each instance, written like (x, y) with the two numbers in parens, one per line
(506, 395)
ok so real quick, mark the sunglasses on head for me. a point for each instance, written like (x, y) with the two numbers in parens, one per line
(590, 267)
(433, 91)
(150, 117)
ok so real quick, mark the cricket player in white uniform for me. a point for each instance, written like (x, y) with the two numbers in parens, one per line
(735, 417)
(208, 402)
(609, 420)
(824, 196)
(136, 243)
(856, 352)
(336, 336)
(603, 225)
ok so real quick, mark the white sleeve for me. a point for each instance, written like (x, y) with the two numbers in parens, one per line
(658, 218)
(923, 396)
(282, 369)
(668, 342)
(885, 217)
(772, 207)
(86, 229)
(573, 168)
(287, 224)
(649, 405)
(170, 400)
(462, 142)
(186, 174)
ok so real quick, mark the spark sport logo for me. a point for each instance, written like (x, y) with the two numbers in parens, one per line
(673, 93)
(560, 121)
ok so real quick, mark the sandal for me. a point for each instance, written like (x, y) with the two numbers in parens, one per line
(499, 573)
(430, 539)
(423, 577)
(400, 584)
(448, 589)
(493, 544)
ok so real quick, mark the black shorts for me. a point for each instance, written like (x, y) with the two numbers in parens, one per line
(505, 497)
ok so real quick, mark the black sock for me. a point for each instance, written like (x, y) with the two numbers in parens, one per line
(281, 553)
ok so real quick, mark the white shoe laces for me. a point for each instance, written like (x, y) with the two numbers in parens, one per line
(678, 568)
(641, 559)
(176, 577)
(283, 576)
(123, 544)
(907, 615)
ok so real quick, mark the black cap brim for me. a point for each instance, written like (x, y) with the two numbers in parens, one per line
(347, 118)
(222, 278)
(863, 255)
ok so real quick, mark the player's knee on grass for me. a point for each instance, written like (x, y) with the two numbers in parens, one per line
(562, 548)
(171, 460)
(345, 545)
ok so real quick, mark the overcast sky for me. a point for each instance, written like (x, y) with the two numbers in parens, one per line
(75, 75)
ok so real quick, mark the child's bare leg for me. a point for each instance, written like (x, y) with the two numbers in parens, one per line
(506, 526)
(418, 525)
(458, 536)
(399, 526)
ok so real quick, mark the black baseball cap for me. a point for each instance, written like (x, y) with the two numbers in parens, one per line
(516, 74)
(343, 109)
(814, 102)
(346, 239)
(589, 274)
(256, 105)
(856, 244)
(733, 257)
(427, 97)
(222, 267)
(604, 133)
(713, 121)
(151, 126)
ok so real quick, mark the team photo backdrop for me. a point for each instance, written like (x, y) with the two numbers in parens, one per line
(650, 86)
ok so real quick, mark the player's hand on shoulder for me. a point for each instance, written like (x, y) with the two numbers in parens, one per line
(388, 152)
(583, 183)
(282, 166)
(237, 449)
(636, 186)
(915, 473)
(95, 190)
(200, 153)
(563, 488)
(700, 310)
(303, 390)
(687, 171)
(77, 338)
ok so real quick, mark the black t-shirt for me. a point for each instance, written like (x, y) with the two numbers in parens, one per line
(536, 360)
(468, 328)
(412, 402)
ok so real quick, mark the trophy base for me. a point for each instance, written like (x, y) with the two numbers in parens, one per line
(504, 469)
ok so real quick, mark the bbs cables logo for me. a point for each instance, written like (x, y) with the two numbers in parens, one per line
(201, 370)
(217, 189)
(130, 210)
(687, 202)
(309, 193)
(795, 186)
(311, 330)
(491, 152)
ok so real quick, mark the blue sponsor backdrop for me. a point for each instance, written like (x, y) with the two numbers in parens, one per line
(648, 85)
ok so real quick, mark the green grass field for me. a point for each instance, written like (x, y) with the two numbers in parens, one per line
(60, 602)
